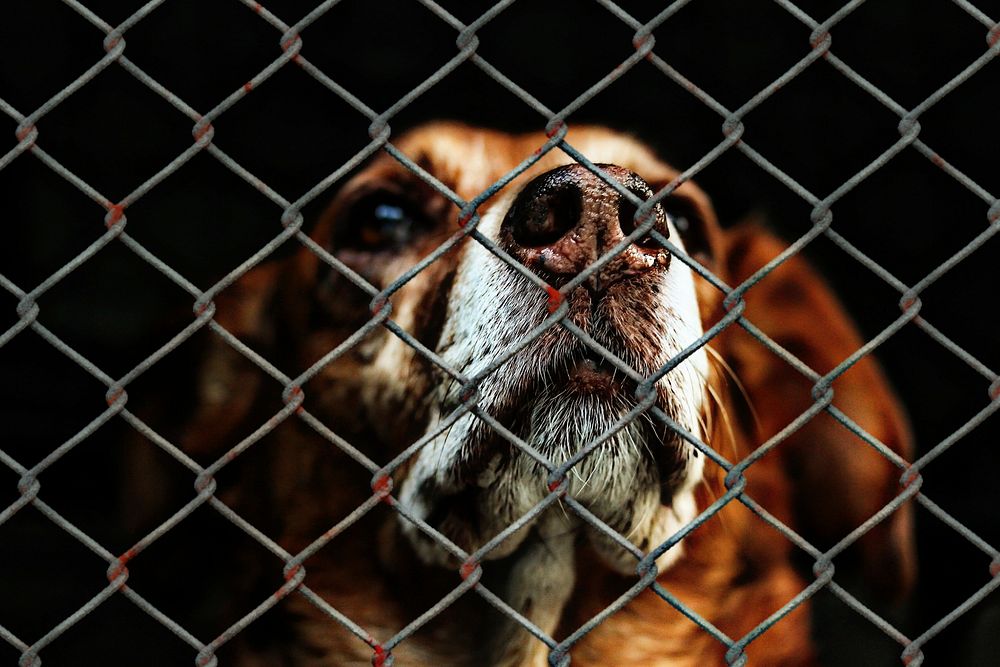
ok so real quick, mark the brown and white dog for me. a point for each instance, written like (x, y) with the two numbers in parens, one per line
(556, 394)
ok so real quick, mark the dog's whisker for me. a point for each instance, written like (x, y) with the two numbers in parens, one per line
(727, 369)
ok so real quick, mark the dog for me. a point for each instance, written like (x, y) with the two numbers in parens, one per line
(498, 402)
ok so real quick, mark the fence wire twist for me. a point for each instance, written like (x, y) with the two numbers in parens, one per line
(290, 41)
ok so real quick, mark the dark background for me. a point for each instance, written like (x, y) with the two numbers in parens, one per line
(291, 132)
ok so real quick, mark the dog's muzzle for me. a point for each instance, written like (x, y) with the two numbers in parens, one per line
(556, 392)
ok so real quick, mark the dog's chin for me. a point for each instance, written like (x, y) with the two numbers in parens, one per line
(593, 377)
(637, 480)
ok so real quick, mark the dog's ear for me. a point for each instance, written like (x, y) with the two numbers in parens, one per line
(227, 383)
(837, 480)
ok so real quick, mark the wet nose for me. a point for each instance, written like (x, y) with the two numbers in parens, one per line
(565, 219)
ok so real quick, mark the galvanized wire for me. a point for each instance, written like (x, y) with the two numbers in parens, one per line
(29, 135)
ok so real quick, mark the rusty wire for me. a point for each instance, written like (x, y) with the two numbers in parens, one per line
(30, 137)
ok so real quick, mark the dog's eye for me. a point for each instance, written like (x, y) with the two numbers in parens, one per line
(690, 227)
(626, 218)
(381, 221)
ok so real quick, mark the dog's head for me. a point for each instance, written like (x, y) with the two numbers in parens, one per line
(474, 323)
(483, 319)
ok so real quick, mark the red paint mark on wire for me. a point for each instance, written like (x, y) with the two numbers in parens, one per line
(555, 298)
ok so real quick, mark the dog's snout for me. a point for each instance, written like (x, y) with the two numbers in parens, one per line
(567, 218)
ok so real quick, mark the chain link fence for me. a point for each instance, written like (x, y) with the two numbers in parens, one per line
(29, 144)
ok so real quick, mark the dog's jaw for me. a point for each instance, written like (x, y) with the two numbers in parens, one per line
(492, 309)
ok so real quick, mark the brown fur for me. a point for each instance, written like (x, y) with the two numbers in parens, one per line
(736, 570)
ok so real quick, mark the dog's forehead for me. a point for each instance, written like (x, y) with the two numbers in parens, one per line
(469, 160)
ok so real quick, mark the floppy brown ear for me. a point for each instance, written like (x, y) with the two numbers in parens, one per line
(837, 481)
(227, 383)
(226, 386)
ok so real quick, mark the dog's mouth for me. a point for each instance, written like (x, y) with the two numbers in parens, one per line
(592, 374)
(593, 384)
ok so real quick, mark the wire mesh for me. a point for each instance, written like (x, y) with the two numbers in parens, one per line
(30, 139)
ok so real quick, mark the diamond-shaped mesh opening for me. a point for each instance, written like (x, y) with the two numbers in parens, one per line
(317, 466)
(471, 96)
(563, 55)
(909, 196)
(772, 592)
(903, 69)
(41, 561)
(88, 478)
(222, 50)
(172, 571)
(356, 52)
(330, 571)
(33, 253)
(749, 58)
(192, 214)
(950, 307)
(64, 389)
(849, 638)
(860, 291)
(97, 297)
(152, 485)
(936, 413)
(821, 117)
(656, 100)
(958, 130)
(80, 45)
(203, 414)
(87, 133)
(295, 119)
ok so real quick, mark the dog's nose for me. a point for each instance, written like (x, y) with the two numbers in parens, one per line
(565, 219)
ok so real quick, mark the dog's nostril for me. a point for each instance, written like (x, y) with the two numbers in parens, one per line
(628, 223)
(545, 219)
